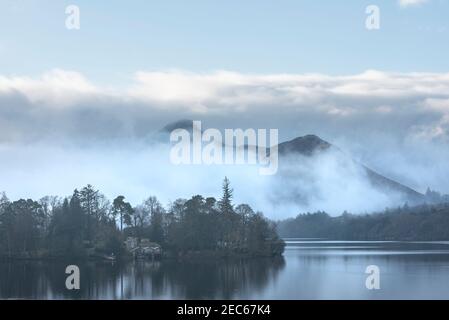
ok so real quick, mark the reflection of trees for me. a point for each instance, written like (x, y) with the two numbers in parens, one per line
(206, 279)
(46, 280)
(21, 280)
(198, 279)
(142, 280)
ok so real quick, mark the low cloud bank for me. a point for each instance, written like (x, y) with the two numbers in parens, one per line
(60, 130)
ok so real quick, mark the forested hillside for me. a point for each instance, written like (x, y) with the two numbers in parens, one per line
(425, 222)
(87, 224)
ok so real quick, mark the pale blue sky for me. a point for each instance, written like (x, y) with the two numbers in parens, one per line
(118, 38)
(90, 125)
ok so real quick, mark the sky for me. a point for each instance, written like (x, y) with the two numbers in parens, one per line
(80, 106)
(118, 38)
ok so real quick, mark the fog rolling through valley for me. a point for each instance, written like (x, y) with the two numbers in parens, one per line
(313, 175)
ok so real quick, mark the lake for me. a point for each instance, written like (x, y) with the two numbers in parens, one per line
(309, 269)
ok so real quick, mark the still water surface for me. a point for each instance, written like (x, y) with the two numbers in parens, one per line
(310, 269)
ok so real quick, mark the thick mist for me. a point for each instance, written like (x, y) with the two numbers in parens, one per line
(59, 131)
(328, 181)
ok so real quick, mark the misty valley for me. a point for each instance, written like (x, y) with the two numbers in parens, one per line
(151, 251)
(224, 150)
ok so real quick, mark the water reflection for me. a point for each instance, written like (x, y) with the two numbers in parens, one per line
(336, 270)
(310, 269)
(211, 279)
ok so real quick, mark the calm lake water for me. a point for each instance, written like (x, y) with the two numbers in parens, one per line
(310, 269)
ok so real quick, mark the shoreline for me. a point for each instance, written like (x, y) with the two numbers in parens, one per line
(190, 256)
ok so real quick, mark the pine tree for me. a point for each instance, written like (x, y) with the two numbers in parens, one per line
(228, 216)
(124, 210)
(225, 203)
(88, 198)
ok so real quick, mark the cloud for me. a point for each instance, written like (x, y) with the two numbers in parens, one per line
(396, 123)
(408, 3)
(221, 90)
(235, 90)
(57, 87)
(65, 104)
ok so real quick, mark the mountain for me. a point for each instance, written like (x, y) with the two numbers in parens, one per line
(180, 124)
(310, 145)
(300, 162)
(307, 145)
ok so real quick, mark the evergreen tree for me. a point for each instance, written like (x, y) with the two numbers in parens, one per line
(89, 202)
(124, 210)
(156, 216)
(225, 203)
(86, 223)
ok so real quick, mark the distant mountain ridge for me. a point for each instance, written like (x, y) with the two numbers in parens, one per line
(306, 145)
(310, 145)
(180, 124)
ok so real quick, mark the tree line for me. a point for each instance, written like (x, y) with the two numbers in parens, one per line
(88, 224)
(428, 222)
